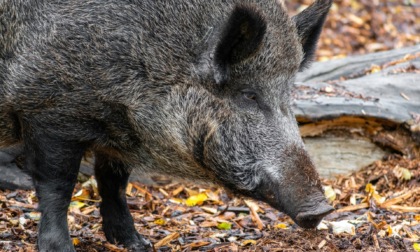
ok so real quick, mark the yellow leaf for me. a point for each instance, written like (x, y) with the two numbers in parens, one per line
(224, 226)
(416, 246)
(330, 193)
(370, 188)
(249, 242)
(375, 69)
(389, 230)
(196, 199)
(160, 222)
(402, 173)
(417, 217)
(77, 204)
(406, 174)
(76, 241)
(281, 226)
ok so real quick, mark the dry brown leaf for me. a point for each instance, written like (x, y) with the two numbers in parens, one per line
(166, 240)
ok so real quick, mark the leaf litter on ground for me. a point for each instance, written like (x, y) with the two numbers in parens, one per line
(377, 208)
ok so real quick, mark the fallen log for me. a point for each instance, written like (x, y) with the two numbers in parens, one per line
(353, 112)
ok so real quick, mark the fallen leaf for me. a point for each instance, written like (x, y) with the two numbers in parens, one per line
(344, 226)
(224, 226)
(389, 231)
(253, 207)
(329, 193)
(178, 190)
(197, 199)
(76, 241)
(197, 244)
(82, 194)
(373, 194)
(209, 210)
(166, 240)
(206, 224)
(190, 192)
(281, 226)
(322, 226)
(322, 244)
(249, 242)
(76, 205)
(160, 222)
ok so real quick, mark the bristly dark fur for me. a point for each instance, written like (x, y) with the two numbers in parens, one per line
(194, 89)
(242, 35)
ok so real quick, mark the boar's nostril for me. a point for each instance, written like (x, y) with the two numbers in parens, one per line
(311, 219)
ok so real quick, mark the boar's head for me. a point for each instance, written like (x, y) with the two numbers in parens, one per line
(236, 127)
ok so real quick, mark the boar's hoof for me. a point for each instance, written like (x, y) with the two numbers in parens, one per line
(141, 245)
(311, 218)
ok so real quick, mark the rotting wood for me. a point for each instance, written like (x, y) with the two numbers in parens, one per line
(387, 134)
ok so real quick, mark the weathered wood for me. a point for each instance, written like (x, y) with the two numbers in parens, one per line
(375, 112)
(340, 154)
(352, 66)
(387, 94)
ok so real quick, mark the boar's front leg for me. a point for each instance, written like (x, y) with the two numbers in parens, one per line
(54, 164)
(112, 176)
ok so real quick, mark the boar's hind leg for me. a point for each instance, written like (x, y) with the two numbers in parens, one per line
(112, 176)
(53, 164)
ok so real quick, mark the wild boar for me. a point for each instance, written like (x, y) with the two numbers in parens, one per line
(194, 89)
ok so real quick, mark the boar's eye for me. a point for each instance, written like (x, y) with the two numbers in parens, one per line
(252, 99)
(247, 99)
(249, 95)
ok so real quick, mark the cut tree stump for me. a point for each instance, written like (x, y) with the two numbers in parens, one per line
(351, 112)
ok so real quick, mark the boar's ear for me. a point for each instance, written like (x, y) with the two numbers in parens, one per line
(240, 38)
(309, 25)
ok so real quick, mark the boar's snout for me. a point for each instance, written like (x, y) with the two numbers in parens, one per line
(295, 188)
(307, 212)
(310, 217)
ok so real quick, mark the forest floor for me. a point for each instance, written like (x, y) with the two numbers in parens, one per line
(377, 208)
